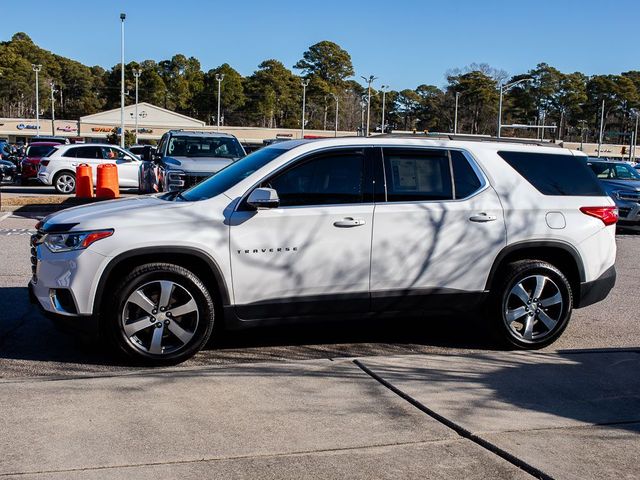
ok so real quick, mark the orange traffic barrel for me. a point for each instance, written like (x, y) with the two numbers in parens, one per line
(107, 181)
(84, 181)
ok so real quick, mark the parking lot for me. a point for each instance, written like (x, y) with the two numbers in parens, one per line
(392, 399)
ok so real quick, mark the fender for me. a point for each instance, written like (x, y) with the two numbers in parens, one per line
(213, 266)
(527, 244)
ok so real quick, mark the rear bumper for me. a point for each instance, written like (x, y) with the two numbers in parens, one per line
(597, 290)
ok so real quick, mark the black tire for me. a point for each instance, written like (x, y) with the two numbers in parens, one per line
(118, 313)
(59, 188)
(514, 333)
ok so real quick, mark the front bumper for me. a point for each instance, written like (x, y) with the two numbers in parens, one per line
(597, 290)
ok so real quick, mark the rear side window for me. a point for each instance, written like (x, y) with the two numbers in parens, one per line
(72, 152)
(465, 178)
(554, 174)
(417, 175)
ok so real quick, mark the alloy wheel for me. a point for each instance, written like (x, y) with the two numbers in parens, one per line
(66, 183)
(160, 317)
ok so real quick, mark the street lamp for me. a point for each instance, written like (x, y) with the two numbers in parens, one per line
(505, 88)
(601, 128)
(455, 116)
(219, 79)
(304, 82)
(634, 145)
(369, 80)
(122, 18)
(383, 88)
(363, 103)
(37, 68)
(335, 97)
(53, 108)
(136, 73)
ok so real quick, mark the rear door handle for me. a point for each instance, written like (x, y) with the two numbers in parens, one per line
(483, 217)
(349, 222)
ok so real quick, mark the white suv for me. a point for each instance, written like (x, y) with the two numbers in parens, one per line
(337, 228)
(58, 168)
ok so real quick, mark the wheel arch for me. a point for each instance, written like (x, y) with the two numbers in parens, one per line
(560, 254)
(198, 261)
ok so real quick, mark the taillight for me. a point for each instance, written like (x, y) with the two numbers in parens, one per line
(608, 215)
(44, 163)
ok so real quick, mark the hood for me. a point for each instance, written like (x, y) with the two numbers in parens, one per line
(137, 210)
(631, 185)
(197, 164)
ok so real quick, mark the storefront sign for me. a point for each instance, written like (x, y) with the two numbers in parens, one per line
(101, 129)
(26, 126)
(66, 128)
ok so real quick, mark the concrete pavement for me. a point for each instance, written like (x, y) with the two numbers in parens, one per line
(568, 415)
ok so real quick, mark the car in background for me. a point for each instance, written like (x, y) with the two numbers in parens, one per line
(8, 171)
(31, 161)
(622, 183)
(58, 168)
(142, 151)
(184, 158)
(52, 139)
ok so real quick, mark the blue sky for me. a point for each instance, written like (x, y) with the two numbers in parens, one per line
(404, 43)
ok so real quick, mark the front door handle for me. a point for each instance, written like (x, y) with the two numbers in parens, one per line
(349, 222)
(483, 217)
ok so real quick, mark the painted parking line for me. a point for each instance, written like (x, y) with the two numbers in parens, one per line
(3, 217)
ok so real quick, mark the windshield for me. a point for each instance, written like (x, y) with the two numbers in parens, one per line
(231, 175)
(615, 171)
(225, 147)
(38, 150)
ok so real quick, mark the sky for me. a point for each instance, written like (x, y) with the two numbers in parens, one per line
(403, 43)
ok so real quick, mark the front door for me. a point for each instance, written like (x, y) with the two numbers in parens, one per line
(311, 255)
(128, 167)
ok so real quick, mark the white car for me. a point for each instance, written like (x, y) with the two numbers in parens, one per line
(59, 167)
(337, 228)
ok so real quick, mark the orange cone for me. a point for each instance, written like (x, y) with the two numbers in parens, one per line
(107, 181)
(84, 181)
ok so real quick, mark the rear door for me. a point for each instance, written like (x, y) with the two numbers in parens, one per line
(127, 166)
(88, 154)
(438, 230)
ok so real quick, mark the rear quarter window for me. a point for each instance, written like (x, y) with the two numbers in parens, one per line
(553, 174)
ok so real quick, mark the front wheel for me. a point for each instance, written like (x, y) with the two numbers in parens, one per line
(65, 182)
(163, 315)
(531, 305)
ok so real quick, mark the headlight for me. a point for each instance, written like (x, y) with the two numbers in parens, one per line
(65, 242)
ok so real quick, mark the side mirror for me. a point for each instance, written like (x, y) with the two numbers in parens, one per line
(263, 198)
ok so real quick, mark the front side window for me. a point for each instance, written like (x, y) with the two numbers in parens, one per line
(417, 175)
(614, 171)
(110, 153)
(329, 179)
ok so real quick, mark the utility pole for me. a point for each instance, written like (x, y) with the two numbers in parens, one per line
(369, 80)
(455, 116)
(304, 82)
(37, 68)
(136, 74)
(635, 136)
(53, 108)
(601, 128)
(219, 79)
(335, 132)
(122, 18)
(384, 93)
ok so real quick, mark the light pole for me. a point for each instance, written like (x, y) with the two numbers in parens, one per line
(37, 68)
(304, 82)
(383, 88)
(369, 80)
(583, 127)
(505, 88)
(122, 18)
(53, 108)
(455, 116)
(335, 132)
(635, 136)
(601, 128)
(363, 103)
(219, 79)
(136, 73)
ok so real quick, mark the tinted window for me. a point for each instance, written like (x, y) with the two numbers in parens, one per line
(72, 152)
(88, 152)
(38, 150)
(226, 147)
(327, 180)
(554, 174)
(417, 175)
(232, 174)
(614, 171)
(465, 179)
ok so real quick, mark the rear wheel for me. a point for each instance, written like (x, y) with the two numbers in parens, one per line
(163, 315)
(532, 304)
(65, 182)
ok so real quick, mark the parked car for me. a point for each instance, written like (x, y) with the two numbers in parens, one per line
(5, 150)
(52, 139)
(333, 229)
(184, 158)
(622, 183)
(58, 168)
(31, 161)
(8, 171)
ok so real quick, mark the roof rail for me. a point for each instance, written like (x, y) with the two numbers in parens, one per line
(471, 138)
